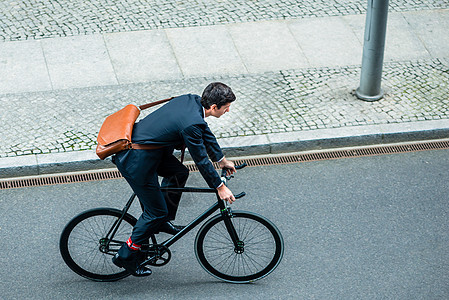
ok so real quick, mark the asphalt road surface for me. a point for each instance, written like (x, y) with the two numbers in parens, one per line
(359, 228)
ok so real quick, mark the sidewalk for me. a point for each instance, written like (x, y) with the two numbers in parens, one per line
(232, 49)
(294, 80)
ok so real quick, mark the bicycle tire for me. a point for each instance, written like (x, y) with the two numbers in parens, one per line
(81, 240)
(263, 248)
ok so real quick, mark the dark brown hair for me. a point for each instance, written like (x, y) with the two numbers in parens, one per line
(217, 93)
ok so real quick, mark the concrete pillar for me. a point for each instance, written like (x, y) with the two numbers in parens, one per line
(373, 51)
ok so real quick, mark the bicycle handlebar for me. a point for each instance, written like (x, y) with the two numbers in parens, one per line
(223, 171)
(241, 166)
(241, 195)
(226, 178)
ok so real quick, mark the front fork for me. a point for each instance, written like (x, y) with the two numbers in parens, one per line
(226, 212)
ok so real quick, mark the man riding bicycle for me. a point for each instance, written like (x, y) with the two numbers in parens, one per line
(179, 122)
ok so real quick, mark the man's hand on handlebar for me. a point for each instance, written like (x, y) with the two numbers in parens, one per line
(223, 191)
(228, 165)
(228, 168)
(225, 194)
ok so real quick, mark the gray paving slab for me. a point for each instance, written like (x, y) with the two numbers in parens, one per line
(75, 62)
(267, 46)
(327, 41)
(357, 25)
(23, 67)
(141, 56)
(207, 50)
(431, 28)
(402, 42)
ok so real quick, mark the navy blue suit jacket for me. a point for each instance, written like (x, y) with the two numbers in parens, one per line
(182, 121)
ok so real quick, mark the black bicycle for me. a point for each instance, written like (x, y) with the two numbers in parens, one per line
(234, 246)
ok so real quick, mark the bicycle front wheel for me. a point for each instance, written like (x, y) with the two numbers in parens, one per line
(86, 248)
(261, 251)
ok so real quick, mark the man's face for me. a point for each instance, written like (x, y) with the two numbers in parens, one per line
(221, 111)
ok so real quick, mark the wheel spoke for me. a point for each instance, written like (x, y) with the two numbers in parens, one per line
(81, 245)
(261, 252)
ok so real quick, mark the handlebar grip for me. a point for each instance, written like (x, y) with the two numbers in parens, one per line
(223, 171)
(238, 196)
(241, 166)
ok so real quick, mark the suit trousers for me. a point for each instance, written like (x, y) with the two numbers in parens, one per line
(141, 169)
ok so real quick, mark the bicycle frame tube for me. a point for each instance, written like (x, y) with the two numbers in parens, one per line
(189, 189)
(125, 209)
(218, 205)
(191, 225)
(198, 220)
(117, 223)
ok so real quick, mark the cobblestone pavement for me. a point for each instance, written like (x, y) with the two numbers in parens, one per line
(284, 101)
(34, 19)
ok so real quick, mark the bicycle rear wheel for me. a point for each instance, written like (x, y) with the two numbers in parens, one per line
(262, 250)
(85, 248)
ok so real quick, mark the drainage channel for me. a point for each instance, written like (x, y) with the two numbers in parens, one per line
(250, 161)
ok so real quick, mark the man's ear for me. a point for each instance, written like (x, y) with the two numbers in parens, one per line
(213, 106)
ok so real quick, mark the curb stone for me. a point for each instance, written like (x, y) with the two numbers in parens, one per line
(39, 164)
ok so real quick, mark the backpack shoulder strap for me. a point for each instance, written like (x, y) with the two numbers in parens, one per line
(148, 105)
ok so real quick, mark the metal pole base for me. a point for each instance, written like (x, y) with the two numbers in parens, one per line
(369, 98)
